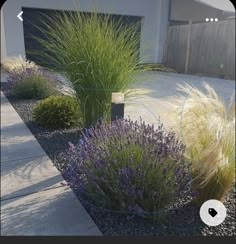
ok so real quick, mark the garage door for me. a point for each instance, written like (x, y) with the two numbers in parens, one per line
(32, 18)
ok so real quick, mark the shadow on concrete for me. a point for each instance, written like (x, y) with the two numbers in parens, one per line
(13, 130)
(15, 149)
(40, 186)
(51, 212)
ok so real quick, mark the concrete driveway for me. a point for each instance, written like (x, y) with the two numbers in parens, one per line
(155, 92)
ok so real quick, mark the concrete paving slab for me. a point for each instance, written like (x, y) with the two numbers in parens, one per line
(26, 176)
(156, 90)
(17, 141)
(151, 110)
(55, 212)
(8, 120)
(8, 113)
(34, 200)
(20, 148)
(17, 130)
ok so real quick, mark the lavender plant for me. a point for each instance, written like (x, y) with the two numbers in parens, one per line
(128, 166)
(32, 83)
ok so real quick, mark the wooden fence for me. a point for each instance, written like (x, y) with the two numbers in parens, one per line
(203, 48)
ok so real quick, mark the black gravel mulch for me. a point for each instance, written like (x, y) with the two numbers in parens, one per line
(183, 220)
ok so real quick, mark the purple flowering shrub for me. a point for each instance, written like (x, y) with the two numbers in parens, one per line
(128, 166)
(31, 83)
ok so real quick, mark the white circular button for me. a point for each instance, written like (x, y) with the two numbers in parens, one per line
(212, 212)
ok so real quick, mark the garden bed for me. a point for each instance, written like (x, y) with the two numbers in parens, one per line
(182, 220)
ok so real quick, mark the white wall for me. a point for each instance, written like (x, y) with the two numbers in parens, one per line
(3, 42)
(154, 25)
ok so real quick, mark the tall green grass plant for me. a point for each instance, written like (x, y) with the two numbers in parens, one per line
(95, 53)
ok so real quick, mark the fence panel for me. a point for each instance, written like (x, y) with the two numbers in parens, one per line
(212, 48)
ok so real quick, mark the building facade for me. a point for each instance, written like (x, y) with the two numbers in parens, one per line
(153, 14)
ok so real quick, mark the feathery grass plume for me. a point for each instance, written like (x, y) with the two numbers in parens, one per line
(207, 127)
(95, 53)
(17, 65)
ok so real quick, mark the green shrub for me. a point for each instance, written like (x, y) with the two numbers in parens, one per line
(58, 112)
(95, 53)
(31, 83)
(208, 129)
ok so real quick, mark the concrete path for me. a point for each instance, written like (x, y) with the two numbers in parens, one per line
(35, 200)
(156, 90)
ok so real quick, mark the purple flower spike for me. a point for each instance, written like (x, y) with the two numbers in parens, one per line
(72, 147)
